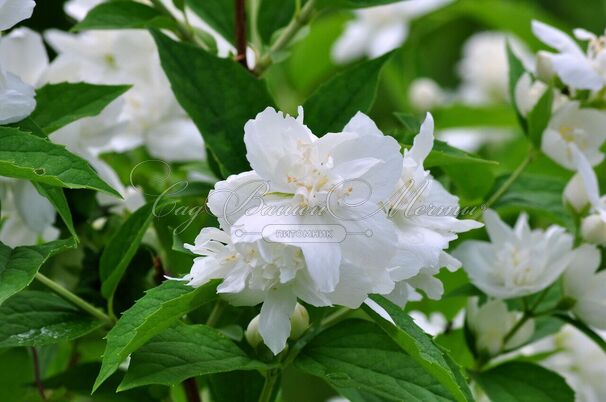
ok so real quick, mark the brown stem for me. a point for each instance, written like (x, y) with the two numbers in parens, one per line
(37, 375)
(241, 32)
(191, 390)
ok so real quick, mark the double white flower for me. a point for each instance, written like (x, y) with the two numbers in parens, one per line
(342, 182)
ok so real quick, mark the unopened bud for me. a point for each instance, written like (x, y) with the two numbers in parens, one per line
(575, 193)
(593, 229)
(299, 322)
(425, 94)
(545, 70)
(252, 334)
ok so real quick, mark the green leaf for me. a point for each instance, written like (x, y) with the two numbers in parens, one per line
(584, 328)
(524, 382)
(420, 347)
(411, 123)
(357, 354)
(56, 196)
(354, 3)
(34, 318)
(538, 193)
(538, 117)
(124, 14)
(218, 94)
(159, 309)
(19, 266)
(273, 15)
(336, 101)
(183, 352)
(26, 156)
(57, 105)
(460, 115)
(516, 70)
(250, 385)
(470, 184)
(121, 248)
(219, 14)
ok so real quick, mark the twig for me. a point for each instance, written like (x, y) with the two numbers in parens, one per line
(37, 375)
(241, 42)
(191, 390)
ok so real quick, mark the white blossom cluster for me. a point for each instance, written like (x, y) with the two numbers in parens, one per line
(356, 180)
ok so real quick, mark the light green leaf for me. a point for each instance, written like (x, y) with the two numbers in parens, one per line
(336, 101)
(524, 382)
(56, 196)
(34, 318)
(121, 248)
(357, 354)
(183, 352)
(26, 156)
(460, 115)
(19, 266)
(273, 15)
(124, 14)
(538, 118)
(421, 348)
(219, 14)
(354, 3)
(159, 309)
(57, 105)
(218, 94)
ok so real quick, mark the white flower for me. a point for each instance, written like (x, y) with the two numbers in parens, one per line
(571, 125)
(587, 286)
(527, 93)
(77, 9)
(27, 217)
(17, 98)
(378, 30)
(14, 11)
(517, 261)
(425, 94)
(425, 216)
(484, 67)
(593, 227)
(492, 322)
(577, 69)
(150, 110)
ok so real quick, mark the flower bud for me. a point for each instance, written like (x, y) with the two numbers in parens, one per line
(545, 70)
(252, 334)
(425, 94)
(299, 322)
(593, 229)
(575, 193)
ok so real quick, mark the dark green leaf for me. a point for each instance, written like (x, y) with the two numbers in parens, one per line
(26, 156)
(218, 94)
(524, 382)
(19, 266)
(273, 15)
(250, 384)
(57, 105)
(538, 118)
(183, 352)
(159, 309)
(420, 347)
(219, 14)
(124, 14)
(33, 318)
(354, 3)
(121, 248)
(56, 197)
(357, 354)
(411, 123)
(336, 101)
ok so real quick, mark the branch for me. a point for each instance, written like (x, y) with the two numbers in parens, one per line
(37, 375)
(241, 33)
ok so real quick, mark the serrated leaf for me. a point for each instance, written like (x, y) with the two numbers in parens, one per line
(524, 382)
(357, 354)
(336, 101)
(124, 14)
(219, 14)
(19, 266)
(420, 347)
(27, 156)
(57, 105)
(56, 196)
(159, 309)
(218, 94)
(121, 248)
(183, 352)
(538, 118)
(34, 318)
